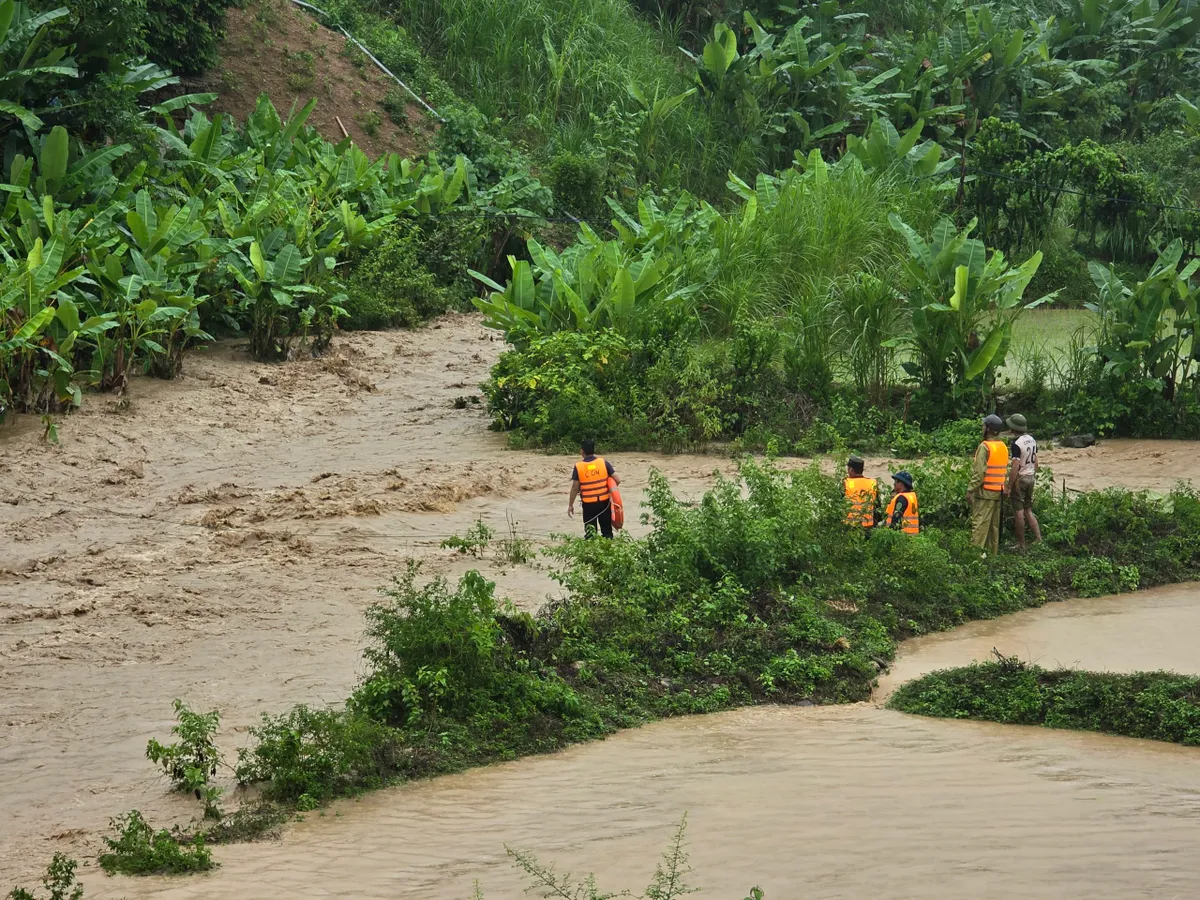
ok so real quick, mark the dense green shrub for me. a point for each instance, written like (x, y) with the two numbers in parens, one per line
(578, 182)
(1157, 705)
(185, 35)
(442, 658)
(1063, 272)
(140, 850)
(307, 757)
(391, 288)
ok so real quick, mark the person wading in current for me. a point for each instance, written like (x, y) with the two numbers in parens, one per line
(1024, 475)
(902, 512)
(988, 486)
(589, 482)
(862, 494)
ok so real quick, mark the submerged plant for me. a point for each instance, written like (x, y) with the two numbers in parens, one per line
(138, 849)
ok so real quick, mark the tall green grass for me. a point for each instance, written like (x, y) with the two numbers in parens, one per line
(805, 257)
(495, 52)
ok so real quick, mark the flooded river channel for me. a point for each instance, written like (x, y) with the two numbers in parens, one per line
(824, 802)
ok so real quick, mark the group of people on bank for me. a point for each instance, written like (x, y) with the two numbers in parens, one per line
(1001, 469)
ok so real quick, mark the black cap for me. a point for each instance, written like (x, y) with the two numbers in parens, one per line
(903, 478)
(857, 461)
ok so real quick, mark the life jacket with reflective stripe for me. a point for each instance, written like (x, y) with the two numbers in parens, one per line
(861, 492)
(996, 475)
(912, 520)
(593, 479)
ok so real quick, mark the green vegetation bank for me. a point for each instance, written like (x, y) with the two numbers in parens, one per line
(1160, 706)
(756, 594)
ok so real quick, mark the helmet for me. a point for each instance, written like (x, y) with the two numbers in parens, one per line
(904, 478)
(993, 422)
(1017, 423)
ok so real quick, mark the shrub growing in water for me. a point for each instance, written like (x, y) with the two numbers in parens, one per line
(59, 882)
(193, 759)
(307, 757)
(1160, 706)
(140, 850)
(443, 658)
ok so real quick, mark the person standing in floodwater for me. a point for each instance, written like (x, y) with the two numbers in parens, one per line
(589, 482)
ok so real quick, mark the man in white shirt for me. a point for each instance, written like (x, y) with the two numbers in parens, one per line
(1023, 452)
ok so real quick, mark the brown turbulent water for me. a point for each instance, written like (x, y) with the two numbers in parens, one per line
(852, 801)
(219, 540)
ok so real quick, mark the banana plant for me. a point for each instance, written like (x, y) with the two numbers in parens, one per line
(654, 113)
(272, 291)
(962, 303)
(1148, 331)
(884, 149)
(33, 366)
(589, 286)
(154, 316)
(22, 32)
(723, 75)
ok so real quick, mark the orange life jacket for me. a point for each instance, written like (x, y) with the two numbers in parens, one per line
(912, 520)
(861, 492)
(618, 507)
(593, 480)
(996, 474)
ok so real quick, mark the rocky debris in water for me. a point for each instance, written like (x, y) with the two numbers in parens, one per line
(806, 702)
(1078, 441)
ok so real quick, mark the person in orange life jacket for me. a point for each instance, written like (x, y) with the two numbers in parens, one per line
(902, 512)
(862, 494)
(589, 482)
(988, 486)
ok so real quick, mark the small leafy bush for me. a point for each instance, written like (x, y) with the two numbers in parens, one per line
(1097, 576)
(551, 388)
(193, 759)
(370, 121)
(395, 104)
(578, 183)
(59, 882)
(307, 757)
(140, 850)
(474, 542)
(958, 438)
(514, 549)
(442, 658)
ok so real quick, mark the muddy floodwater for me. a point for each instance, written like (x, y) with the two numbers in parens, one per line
(850, 801)
(218, 538)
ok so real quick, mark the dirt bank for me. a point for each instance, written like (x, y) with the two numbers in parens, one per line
(218, 540)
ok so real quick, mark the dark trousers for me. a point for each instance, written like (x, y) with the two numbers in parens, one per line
(597, 517)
